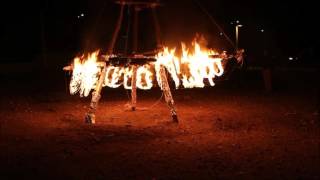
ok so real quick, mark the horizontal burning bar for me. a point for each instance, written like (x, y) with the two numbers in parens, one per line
(192, 68)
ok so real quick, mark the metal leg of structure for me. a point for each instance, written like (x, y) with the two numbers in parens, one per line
(134, 88)
(90, 116)
(167, 94)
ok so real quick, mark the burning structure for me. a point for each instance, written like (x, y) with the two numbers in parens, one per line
(187, 67)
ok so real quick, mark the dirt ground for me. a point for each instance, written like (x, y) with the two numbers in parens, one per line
(232, 131)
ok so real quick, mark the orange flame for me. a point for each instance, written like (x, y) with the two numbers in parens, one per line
(188, 70)
(191, 67)
(85, 74)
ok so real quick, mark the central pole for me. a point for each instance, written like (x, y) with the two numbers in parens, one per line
(134, 88)
(134, 50)
(135, 29)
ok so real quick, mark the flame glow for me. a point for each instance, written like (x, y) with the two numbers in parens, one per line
(192, 67)
(188, 70)
(113, 74)
(85, 74)
(144, 77)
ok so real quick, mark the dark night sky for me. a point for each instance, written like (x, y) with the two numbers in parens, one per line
(28, 28)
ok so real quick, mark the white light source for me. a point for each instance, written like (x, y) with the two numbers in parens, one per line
(221, 34)
(237, 35)
(290, 58)
(81, 14)
(261, 30)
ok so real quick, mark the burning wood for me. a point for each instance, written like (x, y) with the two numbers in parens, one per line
(190, 69)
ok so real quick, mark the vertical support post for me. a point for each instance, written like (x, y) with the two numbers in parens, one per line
(134, 50)
(156, 26)
(134, 88)
(135, 29)
(90, 116)
(167, 93)
(116, 31)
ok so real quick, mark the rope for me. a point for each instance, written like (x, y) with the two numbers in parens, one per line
(146, 108)
(153, 105)
(215, 23)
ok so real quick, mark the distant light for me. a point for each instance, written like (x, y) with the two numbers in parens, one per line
(237, 21)
(239, 25)
(221, 34)
(231, 23)
(293, 58)
(261, 30)
(80, 16)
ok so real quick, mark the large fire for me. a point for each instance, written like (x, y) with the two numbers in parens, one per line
(188, 69)
(85, 74)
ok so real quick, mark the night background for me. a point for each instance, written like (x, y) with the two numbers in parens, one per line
(31, 29)
(261, 122)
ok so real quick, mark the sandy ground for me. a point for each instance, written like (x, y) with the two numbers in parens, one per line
(224, 133)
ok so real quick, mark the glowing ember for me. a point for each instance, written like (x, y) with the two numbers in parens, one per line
(113, 75)
(188, 70)
(144, 77)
